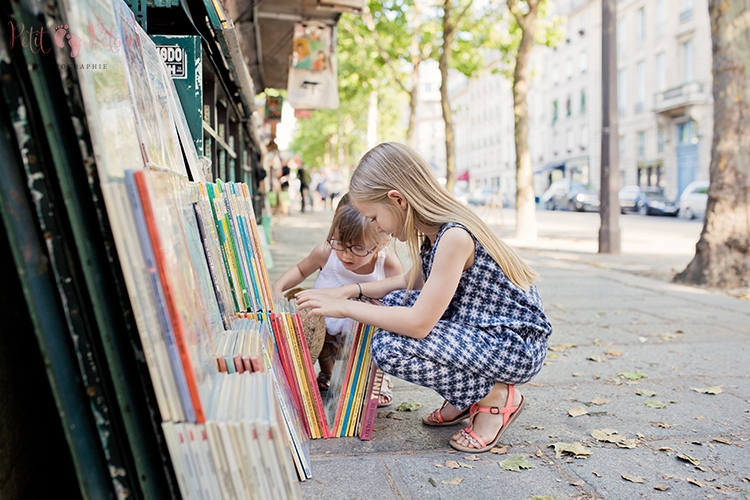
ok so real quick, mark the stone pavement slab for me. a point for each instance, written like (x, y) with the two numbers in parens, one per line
(680, 337)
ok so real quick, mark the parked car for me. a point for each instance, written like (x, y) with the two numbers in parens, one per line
(570, 195)
(693, 200)
(631, 199)
(655, 203)
(484, 196)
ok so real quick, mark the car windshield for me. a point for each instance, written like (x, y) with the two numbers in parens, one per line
(653, 195)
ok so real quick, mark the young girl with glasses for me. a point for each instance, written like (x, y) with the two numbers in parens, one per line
(354, 252)
(466, 320)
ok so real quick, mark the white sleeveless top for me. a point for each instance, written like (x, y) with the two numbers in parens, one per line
(334, 275)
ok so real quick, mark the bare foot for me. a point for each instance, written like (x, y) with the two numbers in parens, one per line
(487, 425)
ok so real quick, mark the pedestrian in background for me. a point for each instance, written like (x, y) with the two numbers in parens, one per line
(468, 322)
(304, 186)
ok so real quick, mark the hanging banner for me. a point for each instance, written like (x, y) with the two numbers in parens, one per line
(273, 109)
(313, 80)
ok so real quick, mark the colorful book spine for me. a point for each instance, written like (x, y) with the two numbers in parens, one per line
(348, 375)
(371, 404)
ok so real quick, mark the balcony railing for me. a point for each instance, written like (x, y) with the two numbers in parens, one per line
(674, 99)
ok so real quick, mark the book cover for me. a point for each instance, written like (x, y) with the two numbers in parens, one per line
(147, 247)
(340, 379)
(302, 377)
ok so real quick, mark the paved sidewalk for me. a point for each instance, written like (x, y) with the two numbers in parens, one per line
(606, 322)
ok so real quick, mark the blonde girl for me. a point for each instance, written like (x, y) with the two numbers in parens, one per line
(354, 252)
(468, 322)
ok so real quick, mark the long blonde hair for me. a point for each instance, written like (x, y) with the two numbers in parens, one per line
(390, 166)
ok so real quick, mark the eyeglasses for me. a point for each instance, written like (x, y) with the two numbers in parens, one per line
(357, 250)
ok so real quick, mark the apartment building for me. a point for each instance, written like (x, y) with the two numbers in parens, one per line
(665, 102)
(430, 127)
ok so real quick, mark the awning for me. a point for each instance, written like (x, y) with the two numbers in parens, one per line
(463, 176)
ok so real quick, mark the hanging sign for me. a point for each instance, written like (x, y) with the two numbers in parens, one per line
(313, 82)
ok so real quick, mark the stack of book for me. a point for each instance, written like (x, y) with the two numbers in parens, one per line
(352, 400)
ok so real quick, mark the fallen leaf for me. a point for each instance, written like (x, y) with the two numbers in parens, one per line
(700, 417)
(452, 464)
(439, 466)
(702, 469)
(577, 411)
(539, 453)
(561, 347)
(575, 449)
(576, 374)
(666, 448)
(613, 352)
(746, 493)
(679, 331)
(722, 441)
(663, 425)
(499, 450)
(599, 401)
(696, 482)
(653, 403)
(640, 436)
(715, 389)
(643, 339)
(472, 458)
(580, 483)
(596, 359)
(516, 463)
(645, 393)
(534, 384)
(632, 375)
(465, 466)
(432, 482)
(661, 487)
(632, 479)
(606, 435)
(552, 355)
(595, 377)
(688, 458)
(453, 482)
(596, 473)
(535, 427)
(409, 406)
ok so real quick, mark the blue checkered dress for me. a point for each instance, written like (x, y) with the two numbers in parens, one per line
(492, 331)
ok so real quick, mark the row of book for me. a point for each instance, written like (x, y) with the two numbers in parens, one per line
(239, 452)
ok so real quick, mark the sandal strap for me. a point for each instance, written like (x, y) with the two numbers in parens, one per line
(507, 410)
(469, 433)
(437, 414)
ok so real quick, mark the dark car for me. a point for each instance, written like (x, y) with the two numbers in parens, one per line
(655, 203)
(631, 199)
(570, 195)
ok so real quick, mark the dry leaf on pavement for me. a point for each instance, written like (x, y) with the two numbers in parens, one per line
(696, 482)
(708, 390)
(632, 375)
(599, 401)
(661, 487)
(560, 347)
(516, 463)
(688, 458)
(645, 393)
(472, 458)
(613, 352)
(575, 449)
(722, 441)
(596, 359)
(452, 464)
(577, 411)
(499, 450)
(453, 481)
(653, 403)
(632, 479)
(409, 406)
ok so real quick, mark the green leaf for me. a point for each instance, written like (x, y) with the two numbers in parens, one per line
(575, 449)
(516, 463)
(577, 411)
(432, 482)
(708, 390)
(632, 375)
(746, 493)
(409, 406)
(645, 393)
(653, 403)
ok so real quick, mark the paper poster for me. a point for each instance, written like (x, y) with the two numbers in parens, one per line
(313, 80)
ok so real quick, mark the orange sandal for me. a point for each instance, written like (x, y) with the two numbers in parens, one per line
(435, 419)
(510, 413)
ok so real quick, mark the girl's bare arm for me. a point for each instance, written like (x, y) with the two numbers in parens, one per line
(454, 254)
(299, 272)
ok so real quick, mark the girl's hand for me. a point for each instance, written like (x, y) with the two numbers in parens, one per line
(321, 303)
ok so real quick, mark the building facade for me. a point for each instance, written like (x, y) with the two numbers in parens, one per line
(664, 98)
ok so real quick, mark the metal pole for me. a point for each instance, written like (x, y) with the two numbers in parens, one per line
(609, 210)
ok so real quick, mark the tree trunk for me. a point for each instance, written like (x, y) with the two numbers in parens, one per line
(450, 144)
(525, 202)
(722, 255)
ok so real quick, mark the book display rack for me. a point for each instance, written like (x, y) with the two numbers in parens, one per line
(174, 371)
